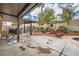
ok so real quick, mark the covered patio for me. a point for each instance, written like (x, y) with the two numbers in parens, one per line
(31, 43)
(14, 13)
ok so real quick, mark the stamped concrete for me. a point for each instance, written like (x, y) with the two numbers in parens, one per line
(57, 44)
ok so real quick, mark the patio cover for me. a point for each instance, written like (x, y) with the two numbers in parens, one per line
(13, 12)
(10, 11)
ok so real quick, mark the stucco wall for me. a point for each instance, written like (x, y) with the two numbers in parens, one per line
(0, 24)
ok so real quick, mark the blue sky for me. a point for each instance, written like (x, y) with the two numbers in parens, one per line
(33, 15)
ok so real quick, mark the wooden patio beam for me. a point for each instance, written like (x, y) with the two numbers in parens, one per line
(18, 29)
(7, 14)
(31, 28)
(23, 9)
(24, 26)
(37, 4)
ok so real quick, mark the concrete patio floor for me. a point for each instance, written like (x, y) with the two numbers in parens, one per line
(54, 43)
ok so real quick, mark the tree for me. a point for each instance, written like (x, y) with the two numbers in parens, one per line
(40, 15)
(67, 14)
(49, 15)
(45, 16)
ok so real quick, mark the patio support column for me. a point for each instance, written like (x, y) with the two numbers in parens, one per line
(17, 29)
(31, 28)
(24, 26)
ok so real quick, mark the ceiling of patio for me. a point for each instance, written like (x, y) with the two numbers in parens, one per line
(10, 11)
(12, 8)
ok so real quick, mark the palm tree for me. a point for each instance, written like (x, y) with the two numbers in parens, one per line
(45, 16)
(40, 15)
(69, 11)
(68, 14)
(49, 15)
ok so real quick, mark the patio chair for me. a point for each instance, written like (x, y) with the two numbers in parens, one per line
(12, 35)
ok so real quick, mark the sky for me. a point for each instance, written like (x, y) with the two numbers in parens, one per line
(33, 15)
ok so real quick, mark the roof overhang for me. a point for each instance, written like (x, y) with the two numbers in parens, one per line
(9, 13)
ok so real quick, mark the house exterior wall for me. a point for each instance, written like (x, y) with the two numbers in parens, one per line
(0, 24)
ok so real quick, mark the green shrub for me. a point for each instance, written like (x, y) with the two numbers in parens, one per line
(63, 29)
(75, 32)
(42, 29)
(50, 30)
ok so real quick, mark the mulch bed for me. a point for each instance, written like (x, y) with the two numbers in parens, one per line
(41, 49)
(22, 48)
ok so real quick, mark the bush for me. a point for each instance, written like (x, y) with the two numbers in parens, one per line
(45, 30)
(42, 30)
(74, 32)
(63, 29)
(50, 30)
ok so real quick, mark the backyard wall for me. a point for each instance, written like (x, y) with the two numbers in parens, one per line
(74, 25)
